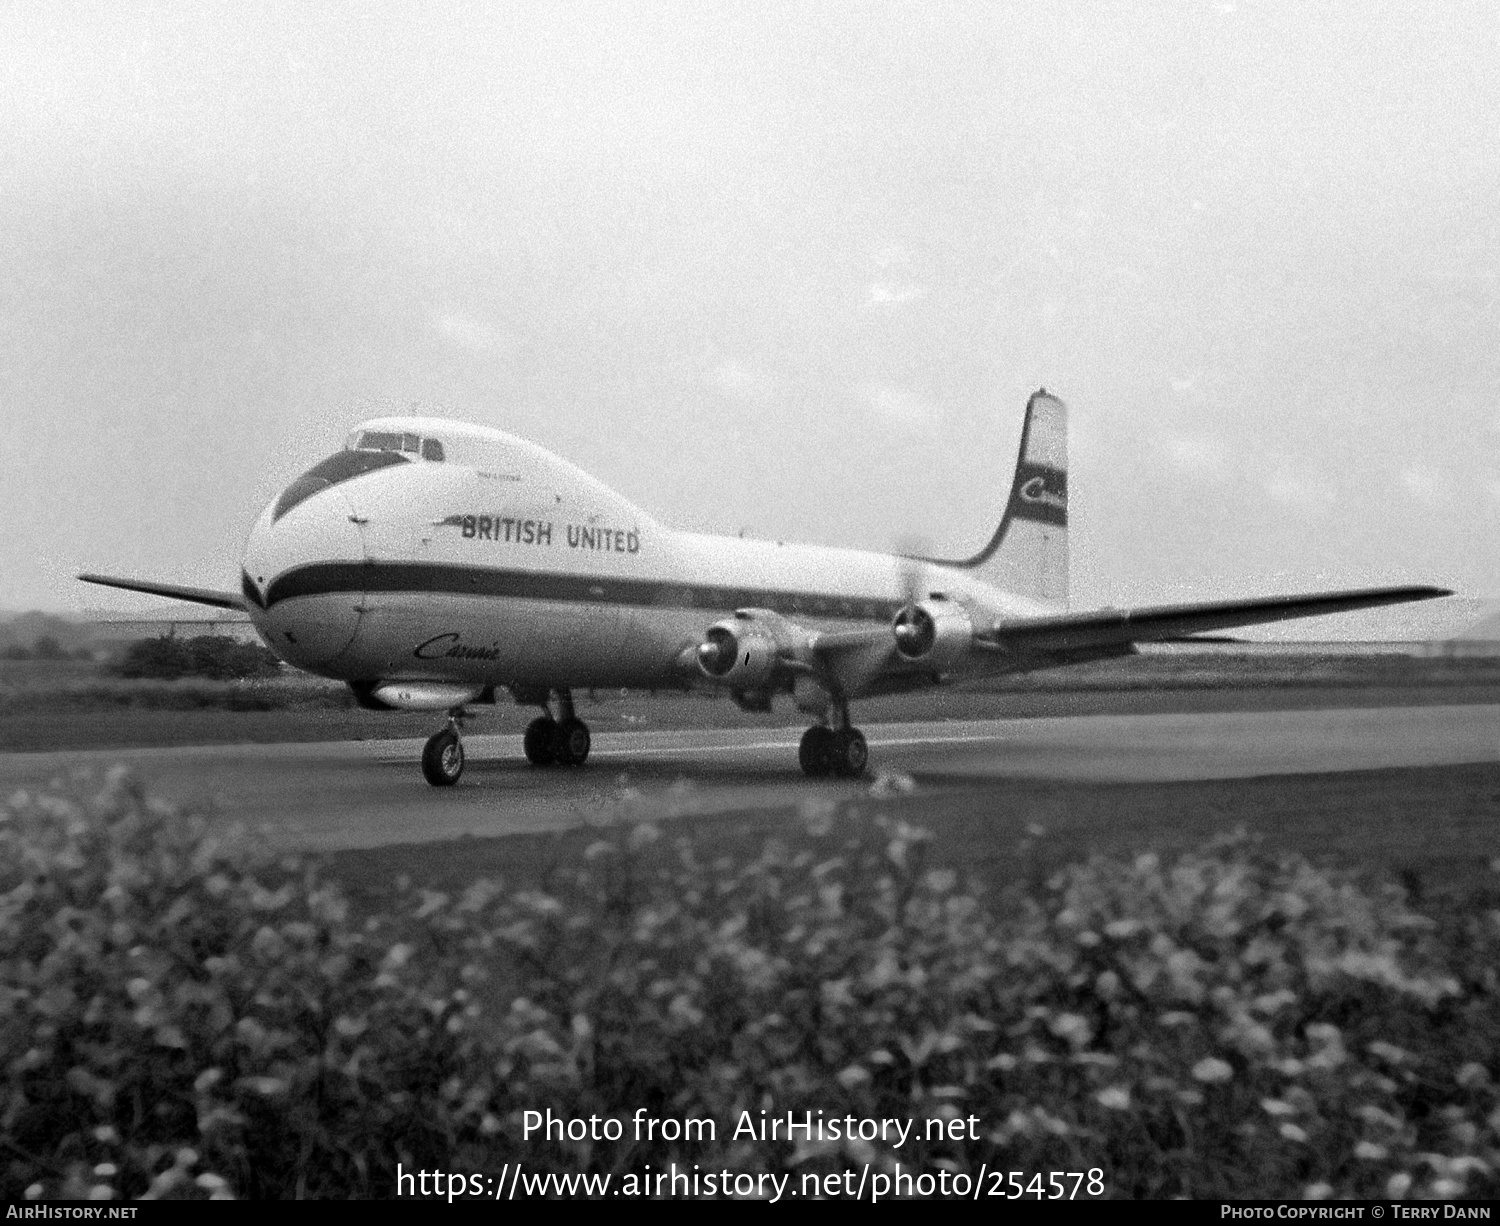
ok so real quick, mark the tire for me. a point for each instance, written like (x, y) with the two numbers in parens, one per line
(850, 753)
(443, 759)
(538, 741)
(573, 742)
(815, 754)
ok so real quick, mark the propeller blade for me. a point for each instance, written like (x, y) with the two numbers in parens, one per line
(912, 571)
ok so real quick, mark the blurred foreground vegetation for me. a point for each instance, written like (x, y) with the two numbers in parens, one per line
(189, 1016)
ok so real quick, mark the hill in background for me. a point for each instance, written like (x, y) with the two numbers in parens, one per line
(24, 629)
(1487, 626)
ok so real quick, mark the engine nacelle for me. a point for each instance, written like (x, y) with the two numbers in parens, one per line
(935, 633)
(738, 654)
(747, 652)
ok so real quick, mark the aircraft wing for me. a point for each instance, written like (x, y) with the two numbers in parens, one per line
(1111, 627)
(862, 659)
(197, 595)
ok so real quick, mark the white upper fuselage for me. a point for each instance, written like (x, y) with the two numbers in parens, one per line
(502, 564)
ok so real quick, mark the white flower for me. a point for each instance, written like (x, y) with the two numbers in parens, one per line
(1271, 1002)
(1471, 1075)
(1212, 1069)
(1073, 1027)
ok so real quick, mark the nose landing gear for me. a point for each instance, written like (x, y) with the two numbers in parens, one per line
(443, 755)
(838, 750)
(562, 741)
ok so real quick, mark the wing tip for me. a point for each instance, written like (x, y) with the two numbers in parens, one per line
(1417, 591)
(170, 591)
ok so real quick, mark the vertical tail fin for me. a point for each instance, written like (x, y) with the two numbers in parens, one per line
(1028, 554)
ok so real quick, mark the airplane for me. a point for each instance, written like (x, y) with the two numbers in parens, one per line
(431, 563)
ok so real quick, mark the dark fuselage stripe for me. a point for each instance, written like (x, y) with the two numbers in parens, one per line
(424, 578)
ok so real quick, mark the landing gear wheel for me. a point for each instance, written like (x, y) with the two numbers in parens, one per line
(539, 741)
(849, 753)
(816, 753)
(443, 759)
(572, 742)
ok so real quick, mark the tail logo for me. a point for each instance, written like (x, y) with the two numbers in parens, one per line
(1041, 493)
(1036, 490)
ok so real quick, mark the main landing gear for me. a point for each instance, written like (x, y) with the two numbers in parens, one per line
(561, 741)
(839, 750)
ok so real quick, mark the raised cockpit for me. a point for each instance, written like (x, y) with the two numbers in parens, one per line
(438, 440)
(384, 442)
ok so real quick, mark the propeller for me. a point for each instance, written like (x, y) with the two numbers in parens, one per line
(914, 629)
(717, 652)
(915, 632)
(911, 559)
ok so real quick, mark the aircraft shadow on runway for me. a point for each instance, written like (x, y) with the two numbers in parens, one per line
(629, 771)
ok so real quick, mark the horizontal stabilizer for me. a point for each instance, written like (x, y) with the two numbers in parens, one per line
(173, 591)
(1068, 632)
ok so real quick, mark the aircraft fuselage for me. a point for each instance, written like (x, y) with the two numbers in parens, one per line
(519, 569)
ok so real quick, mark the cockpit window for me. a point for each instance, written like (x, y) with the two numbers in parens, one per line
(343, 466)
(394, 440)
(388, 440)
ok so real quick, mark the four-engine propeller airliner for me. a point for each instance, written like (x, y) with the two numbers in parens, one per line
(430, 563)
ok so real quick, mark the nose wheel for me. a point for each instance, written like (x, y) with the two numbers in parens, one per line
(443, 757)
(564, 741)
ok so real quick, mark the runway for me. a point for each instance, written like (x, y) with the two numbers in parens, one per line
(338, 795)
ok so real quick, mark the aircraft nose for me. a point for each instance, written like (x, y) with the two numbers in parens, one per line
(302, 579)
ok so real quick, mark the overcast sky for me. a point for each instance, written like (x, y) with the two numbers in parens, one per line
(792, 269)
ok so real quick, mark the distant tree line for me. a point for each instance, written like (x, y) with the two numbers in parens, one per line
(44, 647)
(215, 656)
